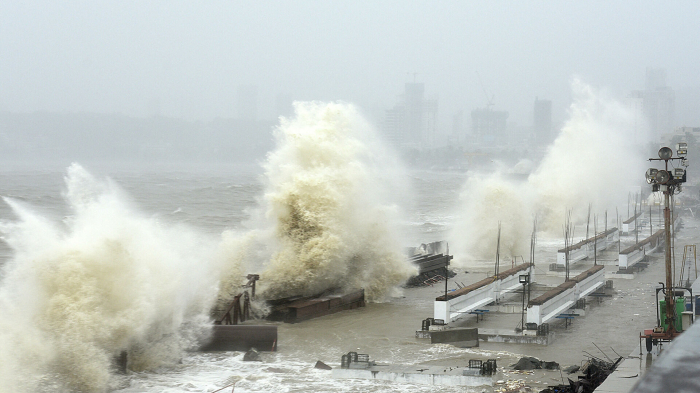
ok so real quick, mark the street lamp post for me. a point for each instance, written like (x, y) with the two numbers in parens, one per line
(669, 183)
(523, 279)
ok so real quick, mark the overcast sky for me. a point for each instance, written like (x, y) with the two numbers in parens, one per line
(190, 56)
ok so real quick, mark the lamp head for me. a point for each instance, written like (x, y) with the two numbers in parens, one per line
(679, 175)
(662, 177)
(665, 153)
(651, 175)
(682, 149)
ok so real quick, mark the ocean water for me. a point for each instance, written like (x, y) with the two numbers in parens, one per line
(209, 203)
(96, 259)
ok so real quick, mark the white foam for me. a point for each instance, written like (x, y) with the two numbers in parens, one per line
(327, 219)
(107, 280)
(595, 159)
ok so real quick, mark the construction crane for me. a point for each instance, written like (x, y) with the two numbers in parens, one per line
(489, 101)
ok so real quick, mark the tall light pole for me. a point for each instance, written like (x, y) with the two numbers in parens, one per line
(523, 279)
(669, 183)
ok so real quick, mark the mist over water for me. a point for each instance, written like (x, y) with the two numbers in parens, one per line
(326, 219)
(595, 160)
(106, 280)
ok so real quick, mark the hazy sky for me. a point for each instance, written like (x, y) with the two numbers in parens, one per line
(190, 56)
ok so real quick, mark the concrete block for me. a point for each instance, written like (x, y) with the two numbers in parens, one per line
(460, 337)
(241, 338)
(422, 334)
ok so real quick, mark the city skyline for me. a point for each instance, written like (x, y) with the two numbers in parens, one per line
(187, 60)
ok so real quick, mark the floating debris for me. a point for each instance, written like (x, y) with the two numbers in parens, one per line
(531, 363)
(322, 366)
(252, 356)
(512, 386)
(595, 372)
(477, 373)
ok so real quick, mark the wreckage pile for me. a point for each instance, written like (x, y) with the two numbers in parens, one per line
(432, 261)
(595, 372)
(429, 278)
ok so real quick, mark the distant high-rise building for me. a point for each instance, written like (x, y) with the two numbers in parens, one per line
(635, 101)
(412, 121)
(489, 127)
(457, 127)
(413, 101)
(656, 78)
(247, 102)
(658, 102)
(395, 124)
(542, 122)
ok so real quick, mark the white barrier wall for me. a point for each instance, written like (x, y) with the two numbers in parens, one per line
(590, 284)
(630, 259)
(631, 255)
(630, 225)
(588, 248)
(459, 306)
(580, 287)
(574, 255)
(542, 313)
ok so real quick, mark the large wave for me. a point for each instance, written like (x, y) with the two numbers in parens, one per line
(107, 280)
(327, 219)
(596, 159)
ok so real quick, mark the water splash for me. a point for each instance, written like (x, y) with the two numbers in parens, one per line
(595, 159)
(107, 280)
(327, 221)
(490, 200)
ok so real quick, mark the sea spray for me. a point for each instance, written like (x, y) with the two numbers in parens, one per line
(328, 218)
(594, 160)
(490, 199)
(106, 280)
(237, 254)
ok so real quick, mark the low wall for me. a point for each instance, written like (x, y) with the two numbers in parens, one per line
(241, 338)
(630, 225)
(589, 247)
(464, 300)
(461, 337)
(635, 253)
(557, 300)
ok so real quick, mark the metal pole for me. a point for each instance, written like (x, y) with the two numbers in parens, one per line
(498, 252)
(522, 310)
(595, 240)
(447, 272)
(446, 276)
(670, 299)
(636, 228)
